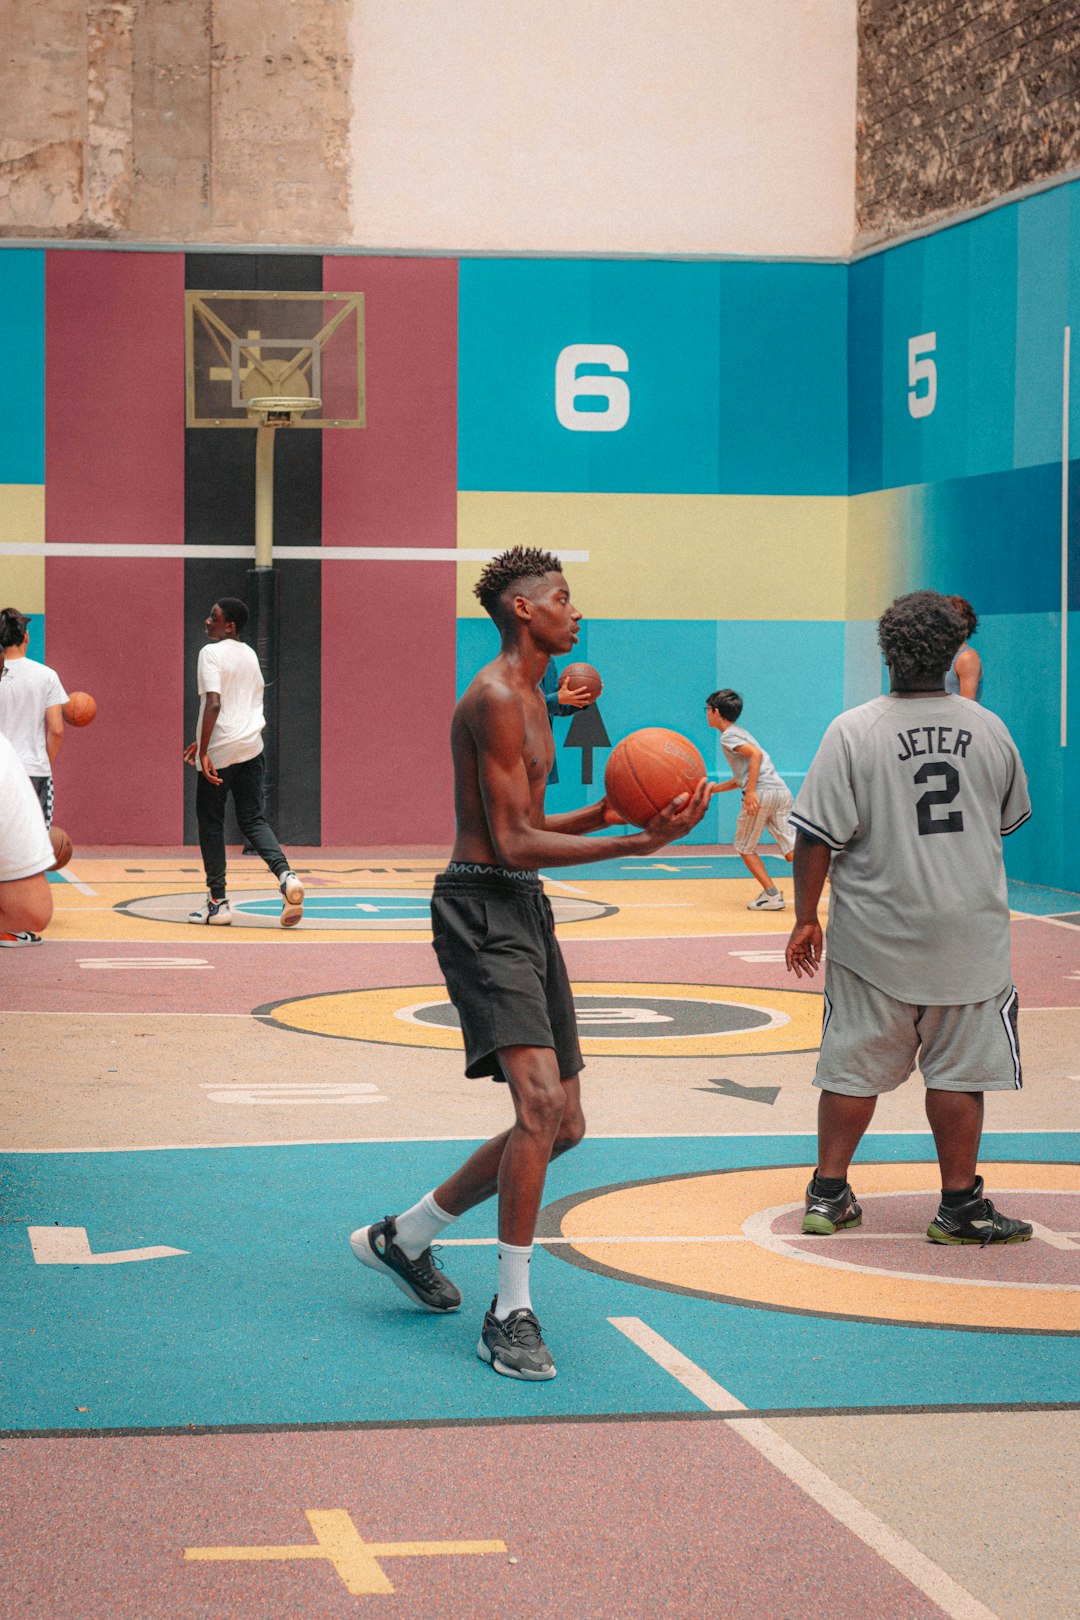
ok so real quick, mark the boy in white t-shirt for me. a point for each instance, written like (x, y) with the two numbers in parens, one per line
(229, 755)
(32, 699)
(766, 802)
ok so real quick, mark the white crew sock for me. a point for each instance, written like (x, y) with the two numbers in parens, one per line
(420, 1226)
(513, 1280)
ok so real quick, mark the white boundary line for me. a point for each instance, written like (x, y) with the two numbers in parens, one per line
(422, 1141)
(928, 1577)
(419, 554)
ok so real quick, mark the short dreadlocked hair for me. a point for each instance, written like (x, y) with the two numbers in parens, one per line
(920, 635)
(506, 570)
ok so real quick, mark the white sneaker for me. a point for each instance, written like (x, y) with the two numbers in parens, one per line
(214, 912)
(10, 941)
(293, 895)
(766, 902)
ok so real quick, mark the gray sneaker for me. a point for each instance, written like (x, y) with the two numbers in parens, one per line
(977, 1221)
(514, 1346)
(824, 1216)
(421, 1279)
(292, 899)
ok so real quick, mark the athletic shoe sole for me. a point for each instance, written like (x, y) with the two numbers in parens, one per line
(936, 1235)
(366, 1255)
(492, 1360)
(210, 922)
(821, 1226)
(293, 908)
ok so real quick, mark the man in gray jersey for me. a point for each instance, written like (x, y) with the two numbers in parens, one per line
(904, 809)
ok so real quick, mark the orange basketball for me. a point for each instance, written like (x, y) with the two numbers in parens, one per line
(79, 709)
(577, 675)
(647, 770)
(61, 844)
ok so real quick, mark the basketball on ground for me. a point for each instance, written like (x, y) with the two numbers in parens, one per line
(647, 770)
(79, 709)
(578, 675)
(61, 844)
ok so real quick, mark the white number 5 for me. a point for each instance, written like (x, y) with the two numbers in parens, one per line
(920, 368)
(569, 387)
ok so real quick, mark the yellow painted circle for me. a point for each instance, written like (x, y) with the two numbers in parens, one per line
(389, 1017)
(829, 1279)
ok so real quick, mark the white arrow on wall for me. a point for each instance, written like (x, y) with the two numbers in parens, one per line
(70, 1246)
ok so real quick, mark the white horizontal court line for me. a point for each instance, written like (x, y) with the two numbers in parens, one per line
(78, 548)
(928, 1577)
(1056, 1240)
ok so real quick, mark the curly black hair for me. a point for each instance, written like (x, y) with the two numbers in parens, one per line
(919, 635)
(505, 570)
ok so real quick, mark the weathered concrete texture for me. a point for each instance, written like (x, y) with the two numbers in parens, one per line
(175, 120)
(959, 102)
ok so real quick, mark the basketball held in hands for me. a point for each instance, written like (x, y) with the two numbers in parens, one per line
(647, 770)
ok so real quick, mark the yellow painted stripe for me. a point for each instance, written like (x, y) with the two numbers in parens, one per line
(22, 519)
(673, 556)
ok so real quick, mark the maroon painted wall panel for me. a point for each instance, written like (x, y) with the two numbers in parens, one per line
(389, 628)
(114, 473)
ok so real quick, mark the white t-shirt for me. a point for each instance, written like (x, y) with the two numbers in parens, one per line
(736, 737)
(27, 689)
(231, 669)
(25, 846)
(914, 795)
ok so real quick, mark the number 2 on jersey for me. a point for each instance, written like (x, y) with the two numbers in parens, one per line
(924, 806)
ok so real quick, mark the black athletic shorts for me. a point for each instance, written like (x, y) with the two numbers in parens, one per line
(494, 935)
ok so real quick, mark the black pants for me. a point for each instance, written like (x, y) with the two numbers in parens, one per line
(245, 783)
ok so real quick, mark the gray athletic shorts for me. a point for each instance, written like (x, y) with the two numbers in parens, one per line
(870, 1041)
(775, 806)
(494, 935)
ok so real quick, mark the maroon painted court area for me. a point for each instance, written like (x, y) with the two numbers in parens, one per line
(610, 1521)
(1046, 962)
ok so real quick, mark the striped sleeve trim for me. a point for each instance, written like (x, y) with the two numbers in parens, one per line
(1005, 831)
(814, 830)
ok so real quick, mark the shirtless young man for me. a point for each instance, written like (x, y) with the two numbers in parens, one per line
(495, 940)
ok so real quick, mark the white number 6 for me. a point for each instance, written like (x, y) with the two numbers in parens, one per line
(569, 386)
(920, 368)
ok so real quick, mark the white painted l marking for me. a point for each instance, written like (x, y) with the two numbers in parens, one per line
(70, 1246)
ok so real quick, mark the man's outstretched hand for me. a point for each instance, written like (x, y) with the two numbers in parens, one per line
(677, 818)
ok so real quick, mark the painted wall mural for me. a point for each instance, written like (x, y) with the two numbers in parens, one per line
(741, 462)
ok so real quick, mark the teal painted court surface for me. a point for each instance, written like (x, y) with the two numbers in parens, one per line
(268, 1319)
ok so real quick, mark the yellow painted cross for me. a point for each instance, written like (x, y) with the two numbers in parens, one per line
(341, 1544)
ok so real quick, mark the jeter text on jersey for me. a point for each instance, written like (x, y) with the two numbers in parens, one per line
(937, 741)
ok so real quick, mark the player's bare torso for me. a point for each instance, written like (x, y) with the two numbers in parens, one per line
(495, 707)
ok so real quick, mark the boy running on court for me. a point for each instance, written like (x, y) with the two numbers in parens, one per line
(766, 802)
(904, 808)
(495, 941)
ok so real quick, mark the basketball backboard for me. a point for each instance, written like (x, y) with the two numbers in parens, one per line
(245, 345)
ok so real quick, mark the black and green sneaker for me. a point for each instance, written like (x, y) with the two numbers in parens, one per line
(824, 1216)
(421, 1279)
(977, 1221)
(514, 1346)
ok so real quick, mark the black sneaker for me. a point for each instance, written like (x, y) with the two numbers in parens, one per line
(422, 1279)
(514, 1346)
(824, 1216)
(977, 1221)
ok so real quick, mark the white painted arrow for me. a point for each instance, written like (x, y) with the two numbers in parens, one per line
(70, 1246)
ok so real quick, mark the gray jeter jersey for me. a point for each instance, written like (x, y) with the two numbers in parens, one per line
(913, 795)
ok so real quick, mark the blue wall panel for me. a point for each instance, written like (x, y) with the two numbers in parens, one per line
(22, 331)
